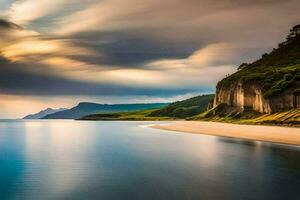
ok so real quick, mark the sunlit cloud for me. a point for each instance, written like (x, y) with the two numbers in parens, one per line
(103, 15)
(210, 56)
(30, 49)
(11, 33)
(24, 11)
(81, 71)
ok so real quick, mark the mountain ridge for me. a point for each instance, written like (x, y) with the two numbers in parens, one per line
(43, 113)
(87, 108)
(176, 110)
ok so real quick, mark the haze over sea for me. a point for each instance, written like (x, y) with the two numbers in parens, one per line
(64, 159)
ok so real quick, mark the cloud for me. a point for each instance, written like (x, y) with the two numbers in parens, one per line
(8, 25)
(57, 57)
(32, 49)
(40, 55)
(191, 20)
(153, 30)
(150, 45)
(25, 11)
(11, 33)
(203, 67)
(212, 55)
(17, 80)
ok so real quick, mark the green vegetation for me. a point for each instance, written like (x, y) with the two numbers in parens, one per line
(126, 116)
(275, 72)
(291, 117)
(186, 108)
(296, 91)
(225, 113)
(177, 110)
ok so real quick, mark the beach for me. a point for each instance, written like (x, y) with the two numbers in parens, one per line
(275, 134)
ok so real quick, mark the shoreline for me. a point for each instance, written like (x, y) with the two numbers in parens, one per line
(273, 134)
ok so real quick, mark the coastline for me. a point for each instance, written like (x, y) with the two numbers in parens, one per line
(274, 134)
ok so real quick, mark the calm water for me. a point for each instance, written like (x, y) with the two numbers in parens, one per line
(126, 160)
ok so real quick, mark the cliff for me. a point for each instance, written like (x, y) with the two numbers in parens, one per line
(250, 96)
(268, 85)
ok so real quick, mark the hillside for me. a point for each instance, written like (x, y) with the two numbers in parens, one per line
(43, 113)
(126, 116)
(176, 110)
(83, 109)
(268, 85)
(185, 108)
(225, 113)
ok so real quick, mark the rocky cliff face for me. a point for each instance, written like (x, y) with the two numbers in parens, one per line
(249, 96)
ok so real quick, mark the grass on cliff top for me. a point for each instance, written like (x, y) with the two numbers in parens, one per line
(275, 71)
(224, 113)
(274, 80)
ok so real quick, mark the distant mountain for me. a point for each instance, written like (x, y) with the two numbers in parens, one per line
(83, 109)
(43, 113)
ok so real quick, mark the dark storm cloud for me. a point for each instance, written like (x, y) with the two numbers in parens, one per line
(13, 80)
(125, 49)
(4, 24)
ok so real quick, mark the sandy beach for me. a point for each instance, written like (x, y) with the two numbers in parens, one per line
(282, 135)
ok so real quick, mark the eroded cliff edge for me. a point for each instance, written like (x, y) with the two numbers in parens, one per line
(250, 97)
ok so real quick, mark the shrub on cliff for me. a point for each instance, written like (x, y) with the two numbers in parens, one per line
(297, 91)
(288, 77)
(271, 93)
(280, 86)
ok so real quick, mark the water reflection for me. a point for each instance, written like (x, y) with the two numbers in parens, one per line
(239, 141)
(56, 152)
(12, 158)
(122, 160)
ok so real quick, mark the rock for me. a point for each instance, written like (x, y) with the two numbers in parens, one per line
(250, 97)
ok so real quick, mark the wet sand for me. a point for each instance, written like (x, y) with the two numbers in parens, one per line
(282, 135)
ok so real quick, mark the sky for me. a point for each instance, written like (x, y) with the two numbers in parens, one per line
(57, 53)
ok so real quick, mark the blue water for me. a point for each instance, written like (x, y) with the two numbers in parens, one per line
(64, 159)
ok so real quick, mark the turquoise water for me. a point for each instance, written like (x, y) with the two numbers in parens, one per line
(63, 159)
